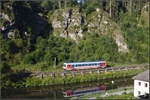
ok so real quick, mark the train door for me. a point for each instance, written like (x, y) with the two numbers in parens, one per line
(69, 67)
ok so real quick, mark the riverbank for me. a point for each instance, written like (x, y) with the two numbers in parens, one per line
(69, 79)
(52, 91)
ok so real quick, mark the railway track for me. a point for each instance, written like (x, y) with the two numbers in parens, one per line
(87, 70)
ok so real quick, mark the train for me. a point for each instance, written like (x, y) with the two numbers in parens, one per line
(83, 91)
(84, 65)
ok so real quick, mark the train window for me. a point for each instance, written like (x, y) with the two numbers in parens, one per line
(64, 65)
(72, 65)
(90, 64)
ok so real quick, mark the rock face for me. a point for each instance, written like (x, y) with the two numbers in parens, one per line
(121, 44)
(70, 23)
(67, 23)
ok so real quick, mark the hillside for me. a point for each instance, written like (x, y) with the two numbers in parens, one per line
(41, 33)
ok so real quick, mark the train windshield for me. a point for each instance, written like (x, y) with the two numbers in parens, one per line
(64, 65)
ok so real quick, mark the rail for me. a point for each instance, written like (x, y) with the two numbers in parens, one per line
(98, 70)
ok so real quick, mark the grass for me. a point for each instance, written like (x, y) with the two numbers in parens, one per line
(119, 64)
(40, 67)
(43, 67)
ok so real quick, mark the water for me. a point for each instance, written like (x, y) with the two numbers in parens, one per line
(56, 92)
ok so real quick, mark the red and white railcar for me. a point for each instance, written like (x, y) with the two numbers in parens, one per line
(84, 65)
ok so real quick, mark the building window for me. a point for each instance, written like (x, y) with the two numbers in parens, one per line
(139, 92)
(139, 83)
(145, 84)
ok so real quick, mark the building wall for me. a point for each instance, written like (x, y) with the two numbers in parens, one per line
(140, 88)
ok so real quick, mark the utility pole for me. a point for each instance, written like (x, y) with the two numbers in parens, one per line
(55, 63)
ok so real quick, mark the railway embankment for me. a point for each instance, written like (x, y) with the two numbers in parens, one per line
(70, 78)
(85, 71)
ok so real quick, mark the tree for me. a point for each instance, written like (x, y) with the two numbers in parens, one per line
(131, 7)
(65, 4)
(59, 3)
(110, 8)
(5, 68)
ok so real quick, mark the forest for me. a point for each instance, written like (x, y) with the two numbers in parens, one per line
(28, 38)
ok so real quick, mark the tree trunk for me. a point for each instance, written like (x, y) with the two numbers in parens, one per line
(70, 3)
(65, 4)
(110, 10)
(59, 4)
(130, 7)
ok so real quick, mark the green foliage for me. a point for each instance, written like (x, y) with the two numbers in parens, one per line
(48, 80)
(5, 68)
(49, 5)
(136, 38)
(95, 50)
(29, 59)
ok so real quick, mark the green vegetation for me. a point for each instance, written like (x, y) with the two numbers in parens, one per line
(48, 80)
(35, 47)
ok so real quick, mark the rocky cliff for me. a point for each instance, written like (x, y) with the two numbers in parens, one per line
(71, 23)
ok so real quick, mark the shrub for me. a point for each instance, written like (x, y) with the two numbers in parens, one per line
(29, 59)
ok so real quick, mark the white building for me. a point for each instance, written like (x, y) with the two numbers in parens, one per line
(141, 83)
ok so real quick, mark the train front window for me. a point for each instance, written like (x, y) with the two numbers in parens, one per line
(64, 65)
(100, 64)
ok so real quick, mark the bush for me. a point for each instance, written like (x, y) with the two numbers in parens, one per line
(29, 59)
(5, 68)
